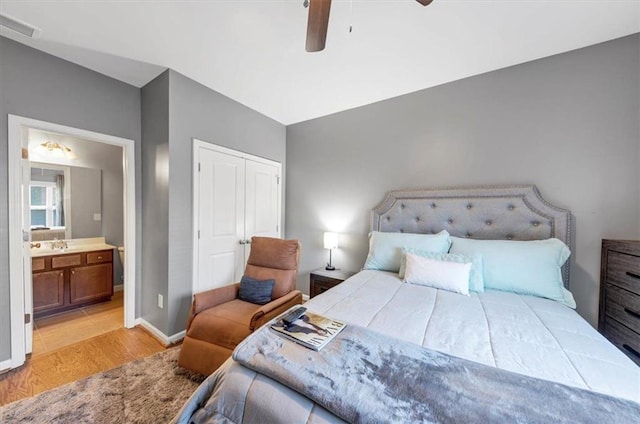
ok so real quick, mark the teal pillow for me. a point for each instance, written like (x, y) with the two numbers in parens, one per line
(524, 267)
(385, 249)
(476, 283)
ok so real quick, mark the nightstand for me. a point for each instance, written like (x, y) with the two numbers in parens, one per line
(619, 319)
(322, 280)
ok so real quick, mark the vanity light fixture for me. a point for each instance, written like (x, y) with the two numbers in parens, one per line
(58, 149)
(330, 242)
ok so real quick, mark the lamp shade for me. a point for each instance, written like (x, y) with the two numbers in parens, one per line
(330, 240)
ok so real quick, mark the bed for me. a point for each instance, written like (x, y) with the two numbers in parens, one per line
(523, 335)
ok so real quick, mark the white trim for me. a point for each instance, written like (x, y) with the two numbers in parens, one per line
(231, 152)
(16, 284)
(5, 366)
(162, 338)
(119, 287)
(16, 124)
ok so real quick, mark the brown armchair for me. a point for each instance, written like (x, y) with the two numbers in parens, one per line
(218, 320)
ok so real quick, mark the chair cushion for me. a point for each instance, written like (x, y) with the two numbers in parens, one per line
(256, 291)
(225, 325)
(274, 253)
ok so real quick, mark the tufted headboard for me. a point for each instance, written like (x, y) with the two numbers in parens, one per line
(515, 212)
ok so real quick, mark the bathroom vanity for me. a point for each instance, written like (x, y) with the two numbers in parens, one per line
(64, 279)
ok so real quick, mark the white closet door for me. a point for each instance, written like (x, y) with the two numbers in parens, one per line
(220, 218)
(262, 212)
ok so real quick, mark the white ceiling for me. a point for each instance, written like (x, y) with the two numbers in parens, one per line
(253, 51)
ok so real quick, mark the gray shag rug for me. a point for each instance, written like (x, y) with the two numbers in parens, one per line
(148, 390)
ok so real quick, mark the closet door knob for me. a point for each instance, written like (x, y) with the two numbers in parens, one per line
(242, 242)
(247, 241)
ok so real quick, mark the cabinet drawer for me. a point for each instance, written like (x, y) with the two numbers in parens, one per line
(98, 257)
(65, 261)
(624, 270)
(623, 306)
(37, 264)
(624, 339)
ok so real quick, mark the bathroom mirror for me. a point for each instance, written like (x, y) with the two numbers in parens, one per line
(66, 202)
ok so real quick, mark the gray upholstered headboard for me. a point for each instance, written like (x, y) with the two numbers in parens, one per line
(516, 212)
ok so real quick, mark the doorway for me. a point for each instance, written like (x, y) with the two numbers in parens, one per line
(20, 271)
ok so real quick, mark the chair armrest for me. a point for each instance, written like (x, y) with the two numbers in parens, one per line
(215, 297)
(275, 308)
(210, 298)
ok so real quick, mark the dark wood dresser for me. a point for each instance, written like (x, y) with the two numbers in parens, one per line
(322, 280)
(619, 318)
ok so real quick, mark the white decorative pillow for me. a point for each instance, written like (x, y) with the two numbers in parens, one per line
(446, 275)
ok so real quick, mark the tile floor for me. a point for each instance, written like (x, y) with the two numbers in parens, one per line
(57, 331)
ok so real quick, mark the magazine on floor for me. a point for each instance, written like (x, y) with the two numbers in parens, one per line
(310, 330)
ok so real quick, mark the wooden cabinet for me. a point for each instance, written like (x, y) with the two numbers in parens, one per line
(48, 290)
(619, 318)
(322, 280)
(63, 282)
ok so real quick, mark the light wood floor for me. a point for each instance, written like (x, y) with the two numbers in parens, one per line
(57, 331)
(57, 366)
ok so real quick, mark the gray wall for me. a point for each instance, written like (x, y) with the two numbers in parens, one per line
(88, 201)
(175, 110)
(40, 86)
(567, 123)
(155, 198)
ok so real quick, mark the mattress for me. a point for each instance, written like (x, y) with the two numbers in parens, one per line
(524, 334)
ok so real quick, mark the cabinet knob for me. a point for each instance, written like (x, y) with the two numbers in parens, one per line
(99, 257)
(61, 274)
(73, 271)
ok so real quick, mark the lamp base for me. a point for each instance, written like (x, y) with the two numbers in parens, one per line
(330, 268)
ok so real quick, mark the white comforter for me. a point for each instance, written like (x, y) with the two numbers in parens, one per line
(524, 334)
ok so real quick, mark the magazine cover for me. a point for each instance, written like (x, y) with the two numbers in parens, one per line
(310, 330)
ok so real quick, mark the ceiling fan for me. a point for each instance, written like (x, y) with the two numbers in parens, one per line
(319, 21)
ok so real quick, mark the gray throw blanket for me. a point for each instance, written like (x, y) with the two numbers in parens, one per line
(364, 377)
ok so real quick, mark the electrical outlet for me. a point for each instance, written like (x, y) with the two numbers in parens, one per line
(160, 301)
(97, 217)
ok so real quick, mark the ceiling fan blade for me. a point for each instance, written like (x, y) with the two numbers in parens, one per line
(317, 24)
(424, 2)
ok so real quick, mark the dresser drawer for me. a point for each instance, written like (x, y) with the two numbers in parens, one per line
(624, 339)
(65, 261)
(98, 257)
(623, 307)
(624, 271)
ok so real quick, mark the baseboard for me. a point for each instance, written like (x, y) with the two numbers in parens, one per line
(305, 297)
(119, 287)
(159, 335)
(5, 366)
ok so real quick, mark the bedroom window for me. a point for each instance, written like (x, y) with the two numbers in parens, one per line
(44, 212)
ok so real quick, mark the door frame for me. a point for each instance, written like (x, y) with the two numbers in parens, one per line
(197, 145)
(16, 128)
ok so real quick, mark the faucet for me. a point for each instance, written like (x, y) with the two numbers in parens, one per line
(36, 245)
(58, 244)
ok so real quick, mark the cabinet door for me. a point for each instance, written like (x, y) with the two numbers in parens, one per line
(91, 283)
(48, 290)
